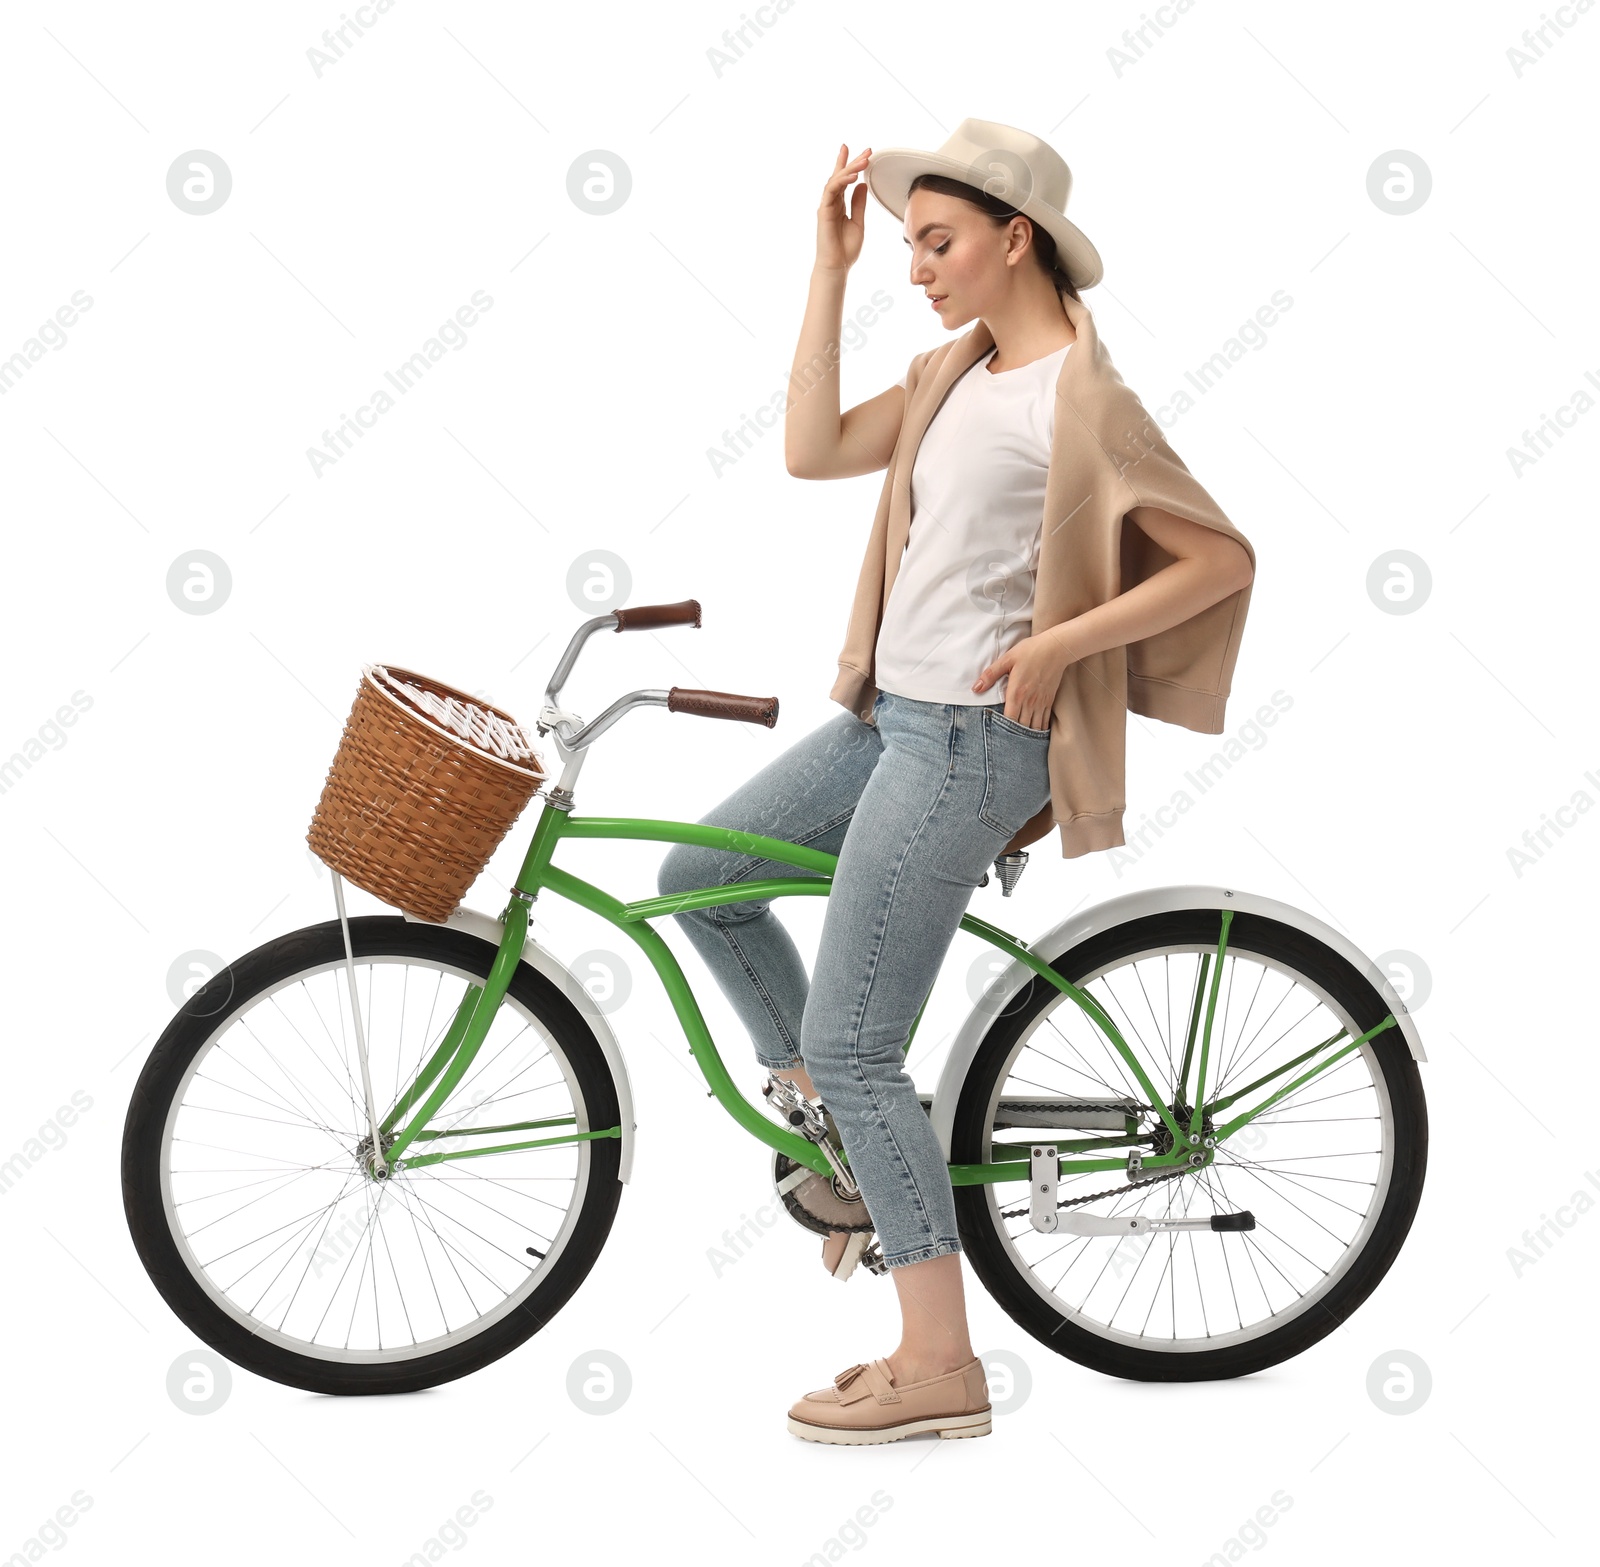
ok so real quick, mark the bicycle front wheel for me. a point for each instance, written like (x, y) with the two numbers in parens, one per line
(1332, 1172)
(245, 1162)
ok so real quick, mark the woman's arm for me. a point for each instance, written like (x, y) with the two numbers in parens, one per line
(1209, 566)
(817, 443)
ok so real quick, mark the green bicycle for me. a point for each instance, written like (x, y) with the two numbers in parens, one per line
(376, 1154)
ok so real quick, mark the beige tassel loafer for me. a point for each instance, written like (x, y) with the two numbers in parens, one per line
(865, 1405)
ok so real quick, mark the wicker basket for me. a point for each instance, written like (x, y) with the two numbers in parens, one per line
(426, 782)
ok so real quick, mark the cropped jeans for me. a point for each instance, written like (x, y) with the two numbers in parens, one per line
(916, 805)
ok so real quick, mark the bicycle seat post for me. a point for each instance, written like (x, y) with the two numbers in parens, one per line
(1009, 868)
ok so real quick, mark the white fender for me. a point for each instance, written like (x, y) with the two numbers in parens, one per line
(487, 928)
(1118, 911)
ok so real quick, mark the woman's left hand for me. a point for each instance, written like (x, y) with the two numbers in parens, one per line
(1033, 670)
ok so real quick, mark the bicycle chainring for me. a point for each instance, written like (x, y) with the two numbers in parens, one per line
(817, 1204)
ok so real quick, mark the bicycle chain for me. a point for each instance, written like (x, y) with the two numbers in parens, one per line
(1077, 1202)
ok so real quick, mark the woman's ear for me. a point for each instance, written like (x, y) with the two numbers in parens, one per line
(1017, 241)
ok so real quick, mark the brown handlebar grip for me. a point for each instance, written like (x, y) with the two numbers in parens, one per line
(641, 616)
(724, 704)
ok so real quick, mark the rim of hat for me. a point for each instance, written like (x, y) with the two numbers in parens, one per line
(891, 171)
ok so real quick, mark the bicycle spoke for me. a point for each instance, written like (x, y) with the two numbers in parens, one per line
(480, 1071)
(412, 1194)
(349, 1088)
(1219, 1206)
(321, 1126)
(484, 1238)
(1296, 1182)
(470, 1174)
(1306, 1163)
(245, 1115)
(1261, 980)
(334, 1293)
(304, 1092)
(255, 1240)
(1087, 1070)
(1242, 1044)
(296, 1237)
(222, 1218)
(1147, 1056)
(1249, 1254)
(394, 1273)
(1298, 1209)
(1220, 1037)
(218, 1148)
(1262, 1120)
(242, 1186)
(234, 1088)
(1165, 1038)
(1065, 1007)
(433, 1283)
(366, 1264)
(1246, 1066)
(327, 1213)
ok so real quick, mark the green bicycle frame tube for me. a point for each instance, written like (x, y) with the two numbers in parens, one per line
(447, 1064)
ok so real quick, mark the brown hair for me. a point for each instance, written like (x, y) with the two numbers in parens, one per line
(1044, 242)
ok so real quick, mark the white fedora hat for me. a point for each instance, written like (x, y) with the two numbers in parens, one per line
(1005, 162)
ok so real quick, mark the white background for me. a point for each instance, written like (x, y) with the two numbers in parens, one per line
(1215, 164)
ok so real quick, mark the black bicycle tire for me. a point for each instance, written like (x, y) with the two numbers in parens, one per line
(312, 947)
(991, 1259)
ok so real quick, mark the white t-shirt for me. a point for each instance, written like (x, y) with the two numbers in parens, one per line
(964, 592)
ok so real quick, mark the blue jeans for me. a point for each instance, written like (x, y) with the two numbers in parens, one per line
(916, 805)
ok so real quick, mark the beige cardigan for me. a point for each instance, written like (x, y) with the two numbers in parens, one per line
(1108, 456)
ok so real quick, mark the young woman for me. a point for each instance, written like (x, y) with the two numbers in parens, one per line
(945, 755)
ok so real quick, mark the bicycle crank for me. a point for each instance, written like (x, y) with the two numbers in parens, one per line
(820, 1203)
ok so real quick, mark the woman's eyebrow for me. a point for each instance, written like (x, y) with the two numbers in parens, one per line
(926, 229)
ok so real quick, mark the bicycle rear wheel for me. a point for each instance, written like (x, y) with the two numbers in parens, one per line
(245, 1180)
(1332, 1172)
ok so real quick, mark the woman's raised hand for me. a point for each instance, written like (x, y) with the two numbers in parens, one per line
(839, 232)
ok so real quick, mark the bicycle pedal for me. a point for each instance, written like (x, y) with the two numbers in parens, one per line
(806, 1118)
(812, 1122)
(872, 1258)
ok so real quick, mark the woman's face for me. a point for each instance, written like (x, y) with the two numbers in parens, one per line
(957, 256)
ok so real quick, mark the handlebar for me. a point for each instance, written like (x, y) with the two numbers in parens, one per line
(677, 699)
(724, 704)
(642, 616)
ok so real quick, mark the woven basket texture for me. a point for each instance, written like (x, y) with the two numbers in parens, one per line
(411, 812)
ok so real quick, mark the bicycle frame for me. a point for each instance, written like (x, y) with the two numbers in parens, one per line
(449, 1062)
